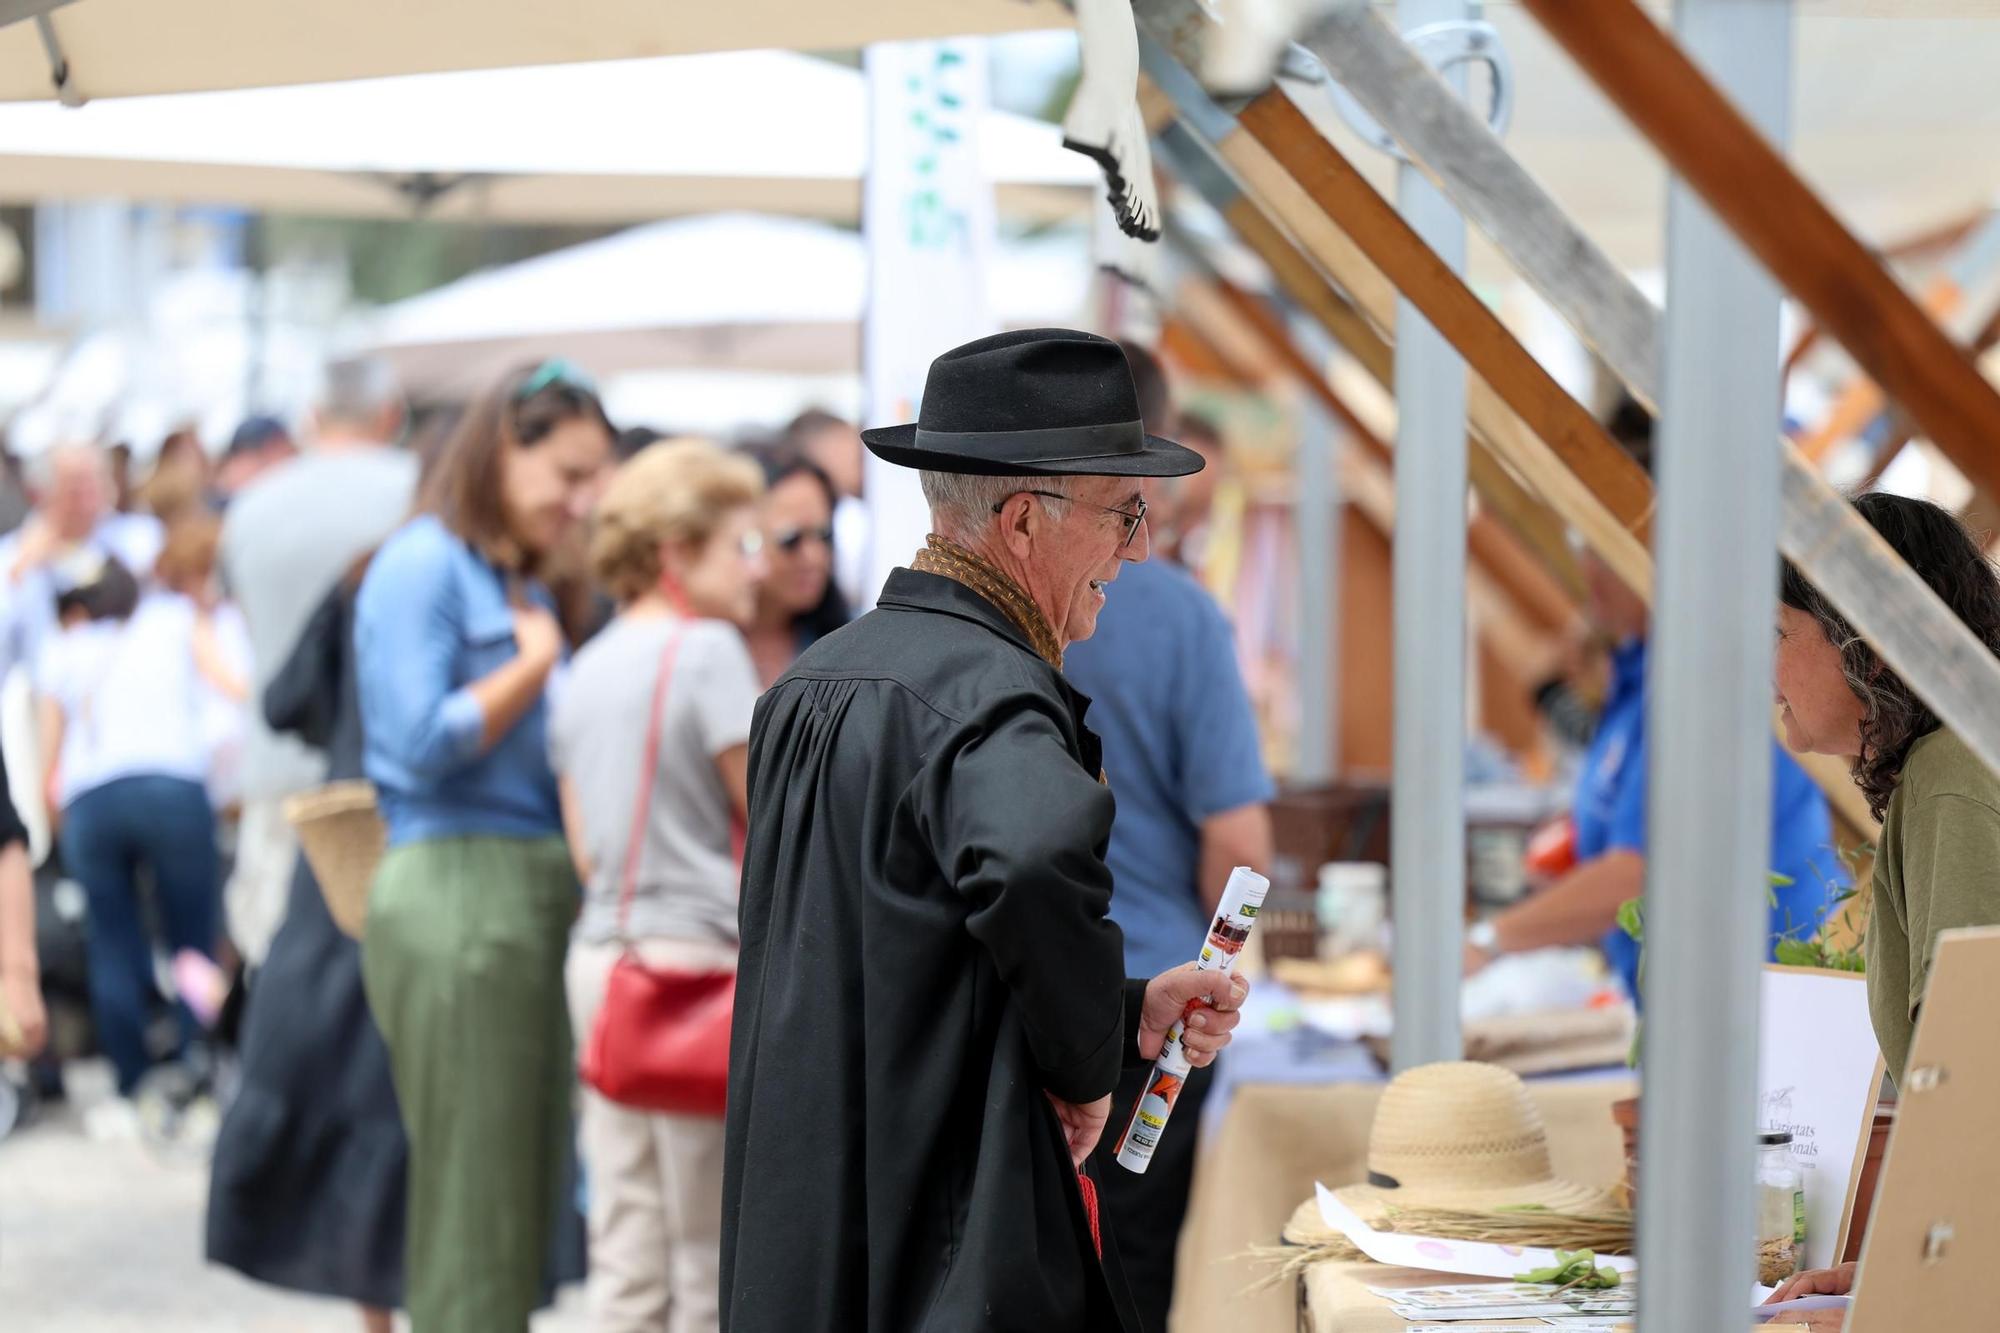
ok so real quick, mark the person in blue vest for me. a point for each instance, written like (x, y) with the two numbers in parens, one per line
(1182, 759)
(1610, 808)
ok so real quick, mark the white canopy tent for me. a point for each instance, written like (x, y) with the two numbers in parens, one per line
(618, 141)
(724, 293)
(126, 48)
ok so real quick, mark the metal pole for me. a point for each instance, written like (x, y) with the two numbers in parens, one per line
(1709, 815)
(1317, 525)
(1427, 829)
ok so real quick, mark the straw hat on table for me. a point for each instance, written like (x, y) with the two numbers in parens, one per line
(1464, 1137)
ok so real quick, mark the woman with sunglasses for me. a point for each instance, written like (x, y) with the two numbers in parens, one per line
(468, 922)
(799, 603)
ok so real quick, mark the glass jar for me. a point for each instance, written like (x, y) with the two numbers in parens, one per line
(1781, 1209)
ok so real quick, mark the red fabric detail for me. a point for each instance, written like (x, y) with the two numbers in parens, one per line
(1088, 1188)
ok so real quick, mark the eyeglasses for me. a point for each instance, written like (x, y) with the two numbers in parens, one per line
(1132, 520)
(789, 540)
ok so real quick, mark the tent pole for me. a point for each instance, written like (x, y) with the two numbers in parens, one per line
(1427, 821)
(1709, 848)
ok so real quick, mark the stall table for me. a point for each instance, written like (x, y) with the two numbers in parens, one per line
(1273, 1141)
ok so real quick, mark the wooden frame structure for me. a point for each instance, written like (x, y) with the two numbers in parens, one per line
(1302, 186)
(1912, 629)
(1512, 444)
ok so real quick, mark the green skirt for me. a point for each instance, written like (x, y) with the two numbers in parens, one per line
(463, 963)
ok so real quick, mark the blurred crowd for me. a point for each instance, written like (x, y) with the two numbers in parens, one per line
(539, 639)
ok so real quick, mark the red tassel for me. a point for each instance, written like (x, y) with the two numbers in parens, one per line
(1088, 1188)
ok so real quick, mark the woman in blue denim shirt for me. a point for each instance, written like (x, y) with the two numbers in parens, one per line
(470, 912)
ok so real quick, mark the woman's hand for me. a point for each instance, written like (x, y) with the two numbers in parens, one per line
(537, 636)
(1838, 1281)
(21, 992)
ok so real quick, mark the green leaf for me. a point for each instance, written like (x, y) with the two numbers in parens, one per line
(1799, 953)
(1632, 918)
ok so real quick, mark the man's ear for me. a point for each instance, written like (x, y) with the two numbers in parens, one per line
(1020, 523)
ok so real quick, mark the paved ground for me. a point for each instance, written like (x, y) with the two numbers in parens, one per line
(106, 1237)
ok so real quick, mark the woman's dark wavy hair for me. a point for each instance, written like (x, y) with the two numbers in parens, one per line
(1944, 555)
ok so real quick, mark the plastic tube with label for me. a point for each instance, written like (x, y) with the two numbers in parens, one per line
(1234, 916)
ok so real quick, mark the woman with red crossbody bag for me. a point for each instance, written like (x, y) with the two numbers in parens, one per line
(650, 740)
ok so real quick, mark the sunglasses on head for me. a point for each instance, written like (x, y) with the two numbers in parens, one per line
(790, 540)
(551, 374)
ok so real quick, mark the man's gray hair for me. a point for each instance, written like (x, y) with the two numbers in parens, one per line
(962, 503)
(358, 391)
(39, 470)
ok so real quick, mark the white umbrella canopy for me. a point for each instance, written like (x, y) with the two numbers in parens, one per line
(124, 48)
(617, 141)
(730, 292)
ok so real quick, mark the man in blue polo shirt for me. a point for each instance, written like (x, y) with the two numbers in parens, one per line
(1181, 755)
(1610, 808)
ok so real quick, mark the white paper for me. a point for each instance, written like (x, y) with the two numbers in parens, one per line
(1816, 1077)
(1474, 1258)
(1764, 1314)
(1568, 1325)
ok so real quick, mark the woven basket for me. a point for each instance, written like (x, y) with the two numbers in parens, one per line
(342, 834)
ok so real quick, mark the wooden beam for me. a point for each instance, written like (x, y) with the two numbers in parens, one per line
(1235, 320)
(1346, 197)
(1886, 453)
(1182, 344)
(1861, 400)
(1530, 519)
(1755, 192)
(1917, 246)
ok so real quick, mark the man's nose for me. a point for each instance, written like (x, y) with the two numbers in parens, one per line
(1141, 544)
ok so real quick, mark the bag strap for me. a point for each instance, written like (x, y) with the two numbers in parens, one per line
(636, 842)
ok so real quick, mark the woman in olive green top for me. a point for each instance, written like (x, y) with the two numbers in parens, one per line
(1937, 864)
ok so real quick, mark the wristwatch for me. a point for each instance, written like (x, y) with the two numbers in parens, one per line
(1485, 937)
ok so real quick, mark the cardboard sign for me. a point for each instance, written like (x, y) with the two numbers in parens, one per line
(1818, 1073)
(1928, 1262)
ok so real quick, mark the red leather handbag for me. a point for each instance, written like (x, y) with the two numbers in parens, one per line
(661, 1039)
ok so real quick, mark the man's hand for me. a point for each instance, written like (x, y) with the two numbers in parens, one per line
(1818, 1282)
(21, 992)
(1082, 1125)
(1167, 999)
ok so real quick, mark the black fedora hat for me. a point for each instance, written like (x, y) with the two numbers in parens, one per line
(1034, 402)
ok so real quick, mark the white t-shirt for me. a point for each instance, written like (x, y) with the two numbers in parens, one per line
(28, 604)
(133, 702)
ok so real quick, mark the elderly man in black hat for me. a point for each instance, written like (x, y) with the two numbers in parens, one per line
(931, 1011)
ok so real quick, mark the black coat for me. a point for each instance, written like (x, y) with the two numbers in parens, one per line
(926, 949)
(307, 1185)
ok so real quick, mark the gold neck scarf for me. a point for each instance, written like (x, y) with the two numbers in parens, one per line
(952, 561)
